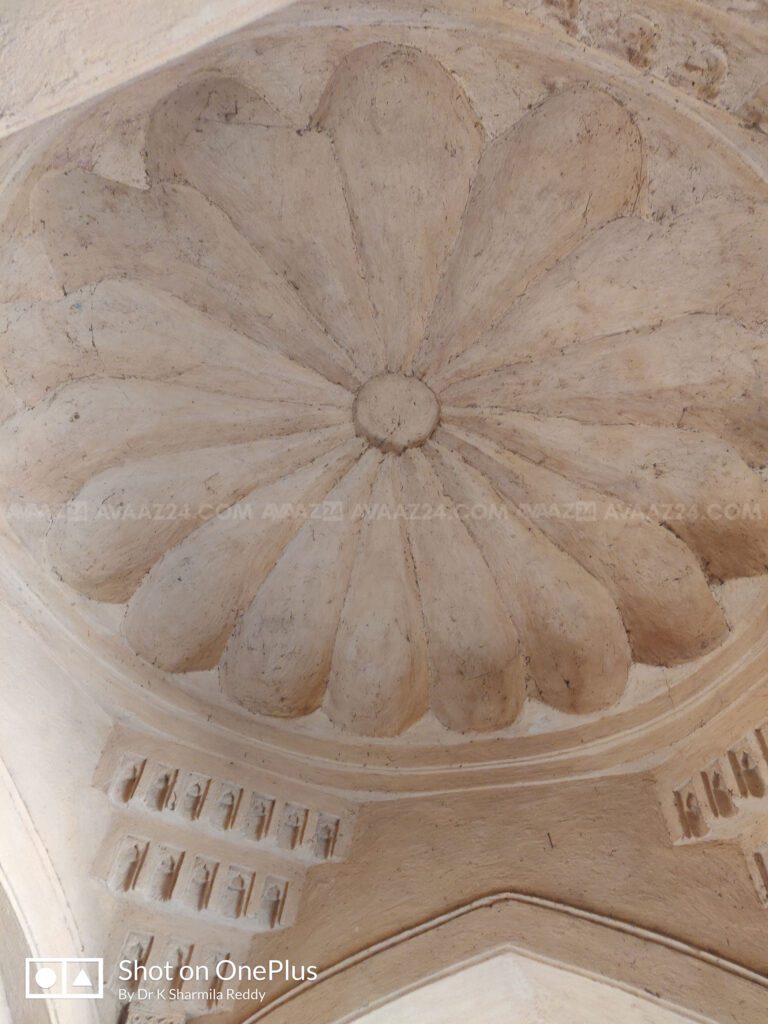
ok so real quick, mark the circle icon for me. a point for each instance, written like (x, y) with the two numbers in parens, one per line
(45, 977)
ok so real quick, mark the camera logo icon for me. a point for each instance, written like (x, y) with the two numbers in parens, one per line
(64, 977)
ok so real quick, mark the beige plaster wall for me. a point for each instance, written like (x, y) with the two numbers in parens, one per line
(57, 53)
(511, 987)
(597, 844)
(51, 736)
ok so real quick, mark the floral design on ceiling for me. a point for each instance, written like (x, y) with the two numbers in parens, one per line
(388, 309)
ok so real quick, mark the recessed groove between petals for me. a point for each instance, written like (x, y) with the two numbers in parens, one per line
(583, 168)
(632, 275)
(178, 240)
(691, 482)
(108, 537)
(393, 113)
(282, 192)
(279, 657)
(474, 652)
(576, 648)
(126, 329)
(185, 609)
(668, 610)
(52, 449)
(379, 673)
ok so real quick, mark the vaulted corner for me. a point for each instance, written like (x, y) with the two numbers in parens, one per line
(383, 448)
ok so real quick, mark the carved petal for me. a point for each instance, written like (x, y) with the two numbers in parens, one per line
(378, 681)
(279, 657)
(283, 192)
(182, 614)
(407, 142)
(703, 372)
(655, 580)
(48, 452)
(575, 644)
(477, 669)
(213, 348)
(123, 328)
(693, 483)
(175, 238)
(571, 165)
(111, 534)
(631, 274)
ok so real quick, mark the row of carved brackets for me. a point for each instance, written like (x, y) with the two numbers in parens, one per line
(201, 875)
(259, 895)
(723, 796)
(263, 811)
(146, 944)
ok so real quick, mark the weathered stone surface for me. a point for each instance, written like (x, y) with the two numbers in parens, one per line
(494, 316)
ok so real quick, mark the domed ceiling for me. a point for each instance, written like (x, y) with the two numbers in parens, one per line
(422, 384)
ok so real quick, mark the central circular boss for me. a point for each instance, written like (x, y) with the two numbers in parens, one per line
(396, 412)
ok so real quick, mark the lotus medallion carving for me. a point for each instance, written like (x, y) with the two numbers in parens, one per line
(493, 375)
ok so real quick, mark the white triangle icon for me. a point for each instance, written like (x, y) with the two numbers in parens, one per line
(82, 981)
